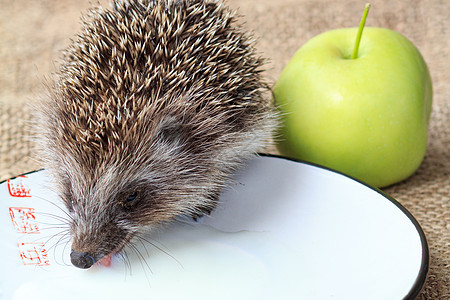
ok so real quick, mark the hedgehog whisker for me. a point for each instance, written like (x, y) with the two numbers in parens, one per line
(64, 251)
(141, 257)
(69, 217)
(142, 260)
(145, 247)
(62, 235)
(53, 227)
(53, 216)
(46, 238)
(66, 237)
(126, 260)
(153, 244)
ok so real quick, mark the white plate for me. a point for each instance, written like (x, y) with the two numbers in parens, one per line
(283, 230)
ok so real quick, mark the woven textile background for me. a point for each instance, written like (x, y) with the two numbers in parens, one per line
(33, 32)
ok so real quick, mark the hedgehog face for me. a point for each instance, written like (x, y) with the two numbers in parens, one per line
(102, 225)
(118, 200)
(105, 220)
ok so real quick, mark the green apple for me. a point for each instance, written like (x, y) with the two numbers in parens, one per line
(365, 114)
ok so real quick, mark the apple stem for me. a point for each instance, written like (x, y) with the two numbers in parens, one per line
(360, 30)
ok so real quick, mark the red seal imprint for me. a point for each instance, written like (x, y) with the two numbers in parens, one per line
(17, 187)
(24, 219)
(33, 254)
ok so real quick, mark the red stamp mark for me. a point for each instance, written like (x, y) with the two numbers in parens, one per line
(33, 254)
(17, 188)
(24, 219)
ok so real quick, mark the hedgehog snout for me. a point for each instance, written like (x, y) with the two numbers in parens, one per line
(91, 242)
(82, 260)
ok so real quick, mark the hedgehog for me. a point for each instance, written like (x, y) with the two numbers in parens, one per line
(154, 106)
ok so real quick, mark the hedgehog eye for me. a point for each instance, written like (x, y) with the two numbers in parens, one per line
(131, 198)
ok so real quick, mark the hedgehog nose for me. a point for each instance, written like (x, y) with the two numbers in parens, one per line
(83, 260)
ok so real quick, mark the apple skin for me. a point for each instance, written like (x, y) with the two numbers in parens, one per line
(366, 117)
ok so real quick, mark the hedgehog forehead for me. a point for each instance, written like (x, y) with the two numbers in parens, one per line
(102, 185)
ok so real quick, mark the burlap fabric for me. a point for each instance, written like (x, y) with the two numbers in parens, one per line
(33, 32)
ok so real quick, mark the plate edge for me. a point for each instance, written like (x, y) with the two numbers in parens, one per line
(423, 271)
